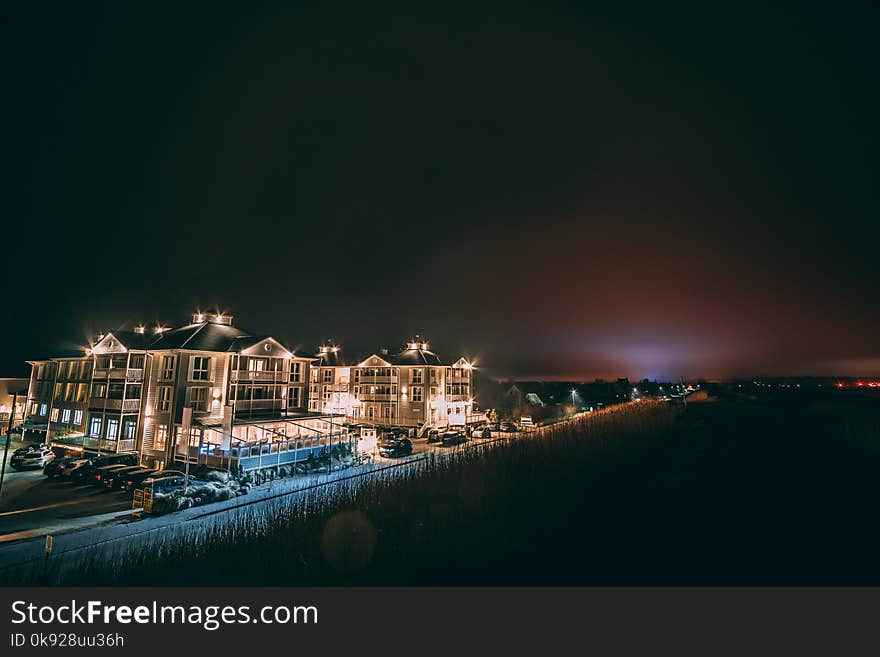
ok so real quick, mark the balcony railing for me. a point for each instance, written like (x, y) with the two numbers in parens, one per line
(376, 397)
(127, 373)
(259, 375)
(124, 405)
(369, 378)
(104, 445)
(254, 455)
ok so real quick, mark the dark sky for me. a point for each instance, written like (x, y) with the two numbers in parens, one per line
(555, 192)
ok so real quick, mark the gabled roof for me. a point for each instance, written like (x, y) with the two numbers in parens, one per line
(259, 345)
(122, 341)
(374, 360)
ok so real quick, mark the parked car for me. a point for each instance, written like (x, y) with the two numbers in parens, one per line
(69, 468)
(87, 469)
(393, 447)
(134, 478)
(508, 427)
(55, 468)
(32, 459)
(433, 436)
(481, 432)
(29, 448)
(113, 476)
(450, 438)
(98, 474)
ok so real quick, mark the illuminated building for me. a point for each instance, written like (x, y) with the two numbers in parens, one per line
(413, 388)
(150, 390)
(8, 389)
(329, 382)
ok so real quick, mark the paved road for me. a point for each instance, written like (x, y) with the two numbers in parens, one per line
(30, 501)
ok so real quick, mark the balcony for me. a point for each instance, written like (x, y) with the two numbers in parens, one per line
(376, 397)
(103, 445)
(369, 378)
(124, 405)
(127, 373)
(259, 375)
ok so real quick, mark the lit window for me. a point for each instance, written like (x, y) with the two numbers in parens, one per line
(167, 367)
(164, 401)
(77, 417)
(65, 416)
(161, 437)
(201, 368)
(295, 372)
(54, 416)
(198, 399)
(417, 393)
(43, 409)
(417, 375)
(128, 429)
(112, 428)
(95, 427)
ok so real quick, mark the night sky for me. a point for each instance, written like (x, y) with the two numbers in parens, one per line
(557, 193)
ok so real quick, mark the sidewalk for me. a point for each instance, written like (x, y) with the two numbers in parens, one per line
(69, 525)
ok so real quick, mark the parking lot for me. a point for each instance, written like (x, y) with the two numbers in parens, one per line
(30, 500)
(422, 446)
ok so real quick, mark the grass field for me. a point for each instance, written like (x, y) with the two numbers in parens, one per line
(780, 489)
